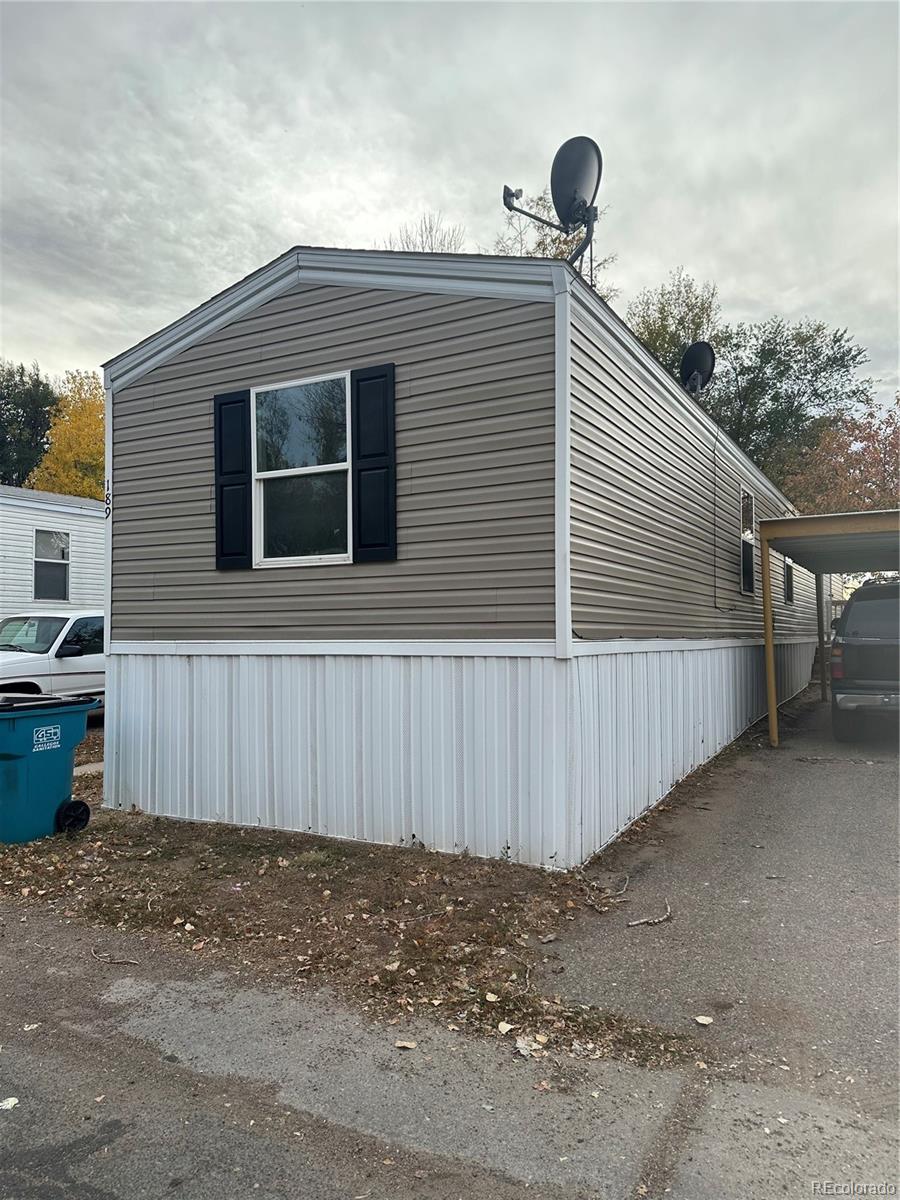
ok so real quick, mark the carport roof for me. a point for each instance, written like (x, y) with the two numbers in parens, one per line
(839, 543)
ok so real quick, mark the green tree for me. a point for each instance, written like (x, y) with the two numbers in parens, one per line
(778, 385)
(527, 239)
(669, 318)
(27, 400)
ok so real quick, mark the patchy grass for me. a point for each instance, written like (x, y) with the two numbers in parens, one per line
(398, 930)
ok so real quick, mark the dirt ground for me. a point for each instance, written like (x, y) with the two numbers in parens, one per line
(397, 930)
(91, 749)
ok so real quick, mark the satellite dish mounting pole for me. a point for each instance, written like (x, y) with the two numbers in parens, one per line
(590, 220)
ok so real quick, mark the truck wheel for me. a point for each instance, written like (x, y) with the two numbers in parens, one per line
(844, 725)
(73, 816)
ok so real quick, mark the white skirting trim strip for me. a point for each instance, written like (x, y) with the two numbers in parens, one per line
(540, 759)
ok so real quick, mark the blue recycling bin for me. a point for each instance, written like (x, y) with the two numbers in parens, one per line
(38, 737)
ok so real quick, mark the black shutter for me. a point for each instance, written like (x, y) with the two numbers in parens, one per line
(234, 481)
(373, 464)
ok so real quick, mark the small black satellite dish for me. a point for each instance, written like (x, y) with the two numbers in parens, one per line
(697, 365)
(575, 179)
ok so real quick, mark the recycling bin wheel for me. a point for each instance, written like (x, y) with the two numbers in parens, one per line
(73, 816)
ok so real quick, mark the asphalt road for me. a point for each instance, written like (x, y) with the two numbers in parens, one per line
(162, 1078)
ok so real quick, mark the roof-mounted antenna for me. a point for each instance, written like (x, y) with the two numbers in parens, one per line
(697, 365)
(574, 182)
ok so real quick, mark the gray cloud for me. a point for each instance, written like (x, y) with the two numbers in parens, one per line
(155, 153)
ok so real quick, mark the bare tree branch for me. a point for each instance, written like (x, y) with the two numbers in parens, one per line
(430, 234)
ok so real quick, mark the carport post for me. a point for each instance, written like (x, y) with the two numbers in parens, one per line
(771, 681)
(820, 614)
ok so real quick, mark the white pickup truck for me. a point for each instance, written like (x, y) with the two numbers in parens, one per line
(59, 654)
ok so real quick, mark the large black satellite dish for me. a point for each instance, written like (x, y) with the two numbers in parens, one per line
(575, 179)
(697, 365)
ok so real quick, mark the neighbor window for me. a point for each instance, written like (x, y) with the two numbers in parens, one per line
(748, 585)
(301, 498)
(51, 565)
(788, 581)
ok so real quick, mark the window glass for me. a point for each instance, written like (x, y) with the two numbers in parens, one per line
(49, 545)
(51, 580)
(33, 634)
(788, 581)
(51, 565)
(87, 632)
(746, 516)
(748, 582)
(305, 515)
(873, 618)
(302, 426)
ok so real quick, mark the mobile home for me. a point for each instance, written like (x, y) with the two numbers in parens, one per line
(412, 547)
(51, 552)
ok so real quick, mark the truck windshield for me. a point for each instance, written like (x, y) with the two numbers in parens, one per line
(873, 618)
(34, 635)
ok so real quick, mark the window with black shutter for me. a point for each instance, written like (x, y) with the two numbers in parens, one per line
(306, 471)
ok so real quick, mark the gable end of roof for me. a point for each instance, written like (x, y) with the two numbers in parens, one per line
(464, 275)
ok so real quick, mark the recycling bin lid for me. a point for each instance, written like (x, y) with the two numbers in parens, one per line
(18, 701)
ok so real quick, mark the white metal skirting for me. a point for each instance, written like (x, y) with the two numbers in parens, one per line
(642, 721)
(540, 759)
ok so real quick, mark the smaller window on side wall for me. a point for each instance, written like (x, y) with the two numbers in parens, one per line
(51, 565)
(748, 542)
(788, 580)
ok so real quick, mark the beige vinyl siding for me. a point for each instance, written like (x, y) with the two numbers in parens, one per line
(475, 472)
(655, 525)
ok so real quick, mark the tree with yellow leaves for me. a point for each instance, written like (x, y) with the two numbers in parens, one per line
(74, 462)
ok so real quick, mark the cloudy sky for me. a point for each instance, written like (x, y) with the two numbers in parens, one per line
(152, 154)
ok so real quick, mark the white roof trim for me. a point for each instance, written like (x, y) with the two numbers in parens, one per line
(522, 279)
(50, 502)
(451, 274)
(277, 277)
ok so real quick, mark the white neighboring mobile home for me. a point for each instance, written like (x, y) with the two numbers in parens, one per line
(411, 546)
(51, 552)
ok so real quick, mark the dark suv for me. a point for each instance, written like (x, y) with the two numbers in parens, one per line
(865, 659)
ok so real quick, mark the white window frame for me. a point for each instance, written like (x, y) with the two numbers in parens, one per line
(260, 477)
(67, 560)
(751, 541)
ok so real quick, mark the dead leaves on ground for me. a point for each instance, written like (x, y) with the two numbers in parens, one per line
(405, 931)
